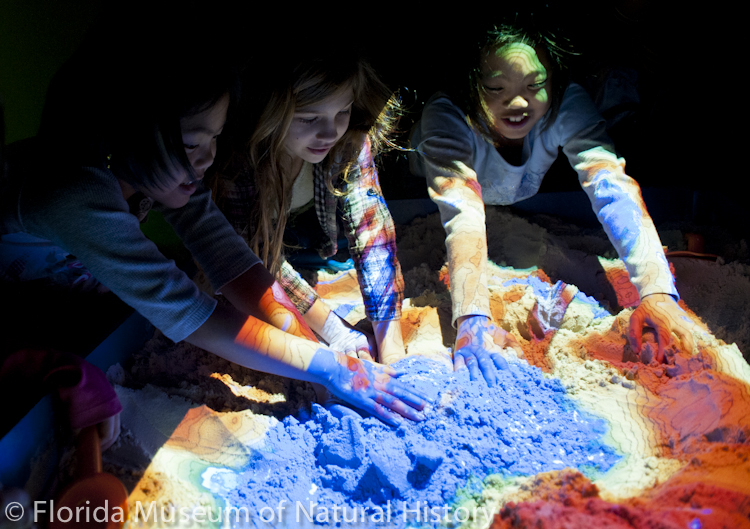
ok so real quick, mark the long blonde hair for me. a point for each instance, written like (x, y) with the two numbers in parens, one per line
(374, 113)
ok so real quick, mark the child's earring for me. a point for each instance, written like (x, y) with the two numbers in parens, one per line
(109, 159)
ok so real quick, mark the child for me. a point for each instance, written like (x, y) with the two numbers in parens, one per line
(124, 128)
(308, 165)
(81, 388)
(491, 142)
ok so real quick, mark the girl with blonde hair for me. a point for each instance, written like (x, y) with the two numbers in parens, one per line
(112, 142)
(306, 166)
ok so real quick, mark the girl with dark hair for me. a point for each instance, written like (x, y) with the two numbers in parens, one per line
(131, 129)
(491, 142)
(313, 131)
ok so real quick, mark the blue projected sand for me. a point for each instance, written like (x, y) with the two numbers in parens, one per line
(360, 471)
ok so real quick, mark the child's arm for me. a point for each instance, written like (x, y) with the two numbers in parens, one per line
(247, 341)
(372, 244)
(617, 201)
(274, 307)
(633, 234)
(446, 159)
(256, 293)
(338, 334)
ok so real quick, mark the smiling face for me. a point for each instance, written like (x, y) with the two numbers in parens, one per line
(316, 128)
(199, 134)
(515, 84)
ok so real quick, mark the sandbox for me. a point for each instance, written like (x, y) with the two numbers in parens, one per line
(581, 431)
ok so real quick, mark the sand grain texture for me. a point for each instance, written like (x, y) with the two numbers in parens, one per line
(677, 433)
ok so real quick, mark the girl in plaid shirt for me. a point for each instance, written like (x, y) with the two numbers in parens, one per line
(312, 131)
(108, 137)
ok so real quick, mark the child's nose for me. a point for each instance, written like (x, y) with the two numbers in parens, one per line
(518, 102)
(328, 131)
(206, 159)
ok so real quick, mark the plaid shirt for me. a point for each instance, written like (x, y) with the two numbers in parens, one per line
(369, 230)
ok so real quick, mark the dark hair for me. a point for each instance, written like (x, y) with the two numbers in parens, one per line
(119, 100)
(146, 145)
(537, 33)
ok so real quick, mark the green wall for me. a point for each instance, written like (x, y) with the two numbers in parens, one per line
(36, 37)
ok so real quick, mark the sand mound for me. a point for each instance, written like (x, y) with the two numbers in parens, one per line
(580, 431)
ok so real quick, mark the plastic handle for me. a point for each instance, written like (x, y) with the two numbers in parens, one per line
(89, 452)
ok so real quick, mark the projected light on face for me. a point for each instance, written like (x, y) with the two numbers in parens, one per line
(514, 85)
(316, 128)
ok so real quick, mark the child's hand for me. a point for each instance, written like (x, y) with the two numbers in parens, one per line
(478, 346)
(368, 386)
(661, 312)
(344, 338)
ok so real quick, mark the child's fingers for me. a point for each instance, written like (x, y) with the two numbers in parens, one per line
(487, 368)
(411, 390)
(504, 339)
(637, 320)
(684, 331)
(458, 362)
(500, 362)
(384, 414)
(365, 355)
(398, 406)
(473, 365)
(340, 410)
(662, 335)
(388, 370)
(410, 396)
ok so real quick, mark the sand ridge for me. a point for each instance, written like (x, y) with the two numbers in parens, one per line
(681, 429)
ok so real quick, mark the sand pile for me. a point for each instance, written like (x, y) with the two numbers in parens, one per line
(580, 431)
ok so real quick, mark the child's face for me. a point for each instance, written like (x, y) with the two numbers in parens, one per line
(315, 129)
(515, 83)
(199, 135)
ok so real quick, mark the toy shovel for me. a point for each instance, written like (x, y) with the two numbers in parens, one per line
(95, 498)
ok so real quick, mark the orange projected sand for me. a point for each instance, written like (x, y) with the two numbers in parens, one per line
(684, 423)
(682, 427)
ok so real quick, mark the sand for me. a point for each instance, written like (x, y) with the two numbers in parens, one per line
(581, 431)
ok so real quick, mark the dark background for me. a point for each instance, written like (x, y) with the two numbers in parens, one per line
(675, 138)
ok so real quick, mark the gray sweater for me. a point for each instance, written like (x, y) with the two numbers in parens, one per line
(86, 215)
(464, 171)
